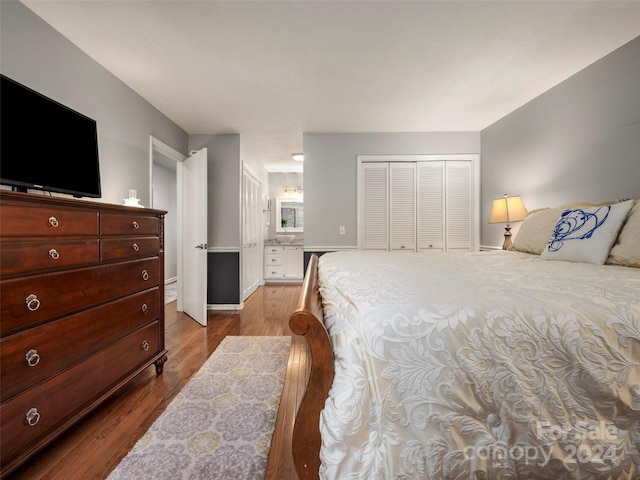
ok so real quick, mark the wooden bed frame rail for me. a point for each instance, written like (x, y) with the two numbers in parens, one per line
(308, 320)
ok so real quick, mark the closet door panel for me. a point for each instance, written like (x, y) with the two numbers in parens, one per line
(459, 214)
(431, 206)
(402, 206)
(374, 203)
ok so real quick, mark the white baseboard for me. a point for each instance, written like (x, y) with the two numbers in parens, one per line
(220, 306)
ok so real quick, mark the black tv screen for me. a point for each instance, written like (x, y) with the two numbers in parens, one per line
(45, 145)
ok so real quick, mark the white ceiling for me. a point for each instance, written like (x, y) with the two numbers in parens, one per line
(271, 70)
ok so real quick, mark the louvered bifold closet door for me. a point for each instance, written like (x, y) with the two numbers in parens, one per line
(431, 206)
(374, 203)
(459, 213)
(402, 206)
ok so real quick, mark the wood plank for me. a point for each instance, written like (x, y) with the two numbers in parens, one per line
(95, 445)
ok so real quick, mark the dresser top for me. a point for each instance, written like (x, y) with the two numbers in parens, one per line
(8, 196)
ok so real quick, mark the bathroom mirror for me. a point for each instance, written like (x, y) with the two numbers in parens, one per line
(289, 215)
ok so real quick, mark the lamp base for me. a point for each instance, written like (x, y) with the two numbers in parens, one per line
(507, 238)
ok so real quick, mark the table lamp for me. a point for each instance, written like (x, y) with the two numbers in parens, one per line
(506, 210)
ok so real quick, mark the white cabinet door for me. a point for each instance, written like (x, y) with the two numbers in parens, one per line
(373, 224)
(402, 206)
(293, 263)
(431, 206)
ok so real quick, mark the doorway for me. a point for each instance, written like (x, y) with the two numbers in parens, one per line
(163, 176)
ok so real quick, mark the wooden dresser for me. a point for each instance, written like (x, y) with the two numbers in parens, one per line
(82, 311)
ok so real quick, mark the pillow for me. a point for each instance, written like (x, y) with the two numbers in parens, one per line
(626, 251)
(586, 234)
(534, 232)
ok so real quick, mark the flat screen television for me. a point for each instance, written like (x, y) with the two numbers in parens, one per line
(45, 145)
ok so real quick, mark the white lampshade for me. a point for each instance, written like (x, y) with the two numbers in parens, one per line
(508, 209)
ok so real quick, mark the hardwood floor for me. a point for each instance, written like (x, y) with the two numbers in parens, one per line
(96, 444)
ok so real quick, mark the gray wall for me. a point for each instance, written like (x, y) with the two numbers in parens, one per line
(36, 55)
(579, 141)
(224, 174)
(330, 169)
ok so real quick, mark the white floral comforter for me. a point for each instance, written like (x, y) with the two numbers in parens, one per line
(494, 365)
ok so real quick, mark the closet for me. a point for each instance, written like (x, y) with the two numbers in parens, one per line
(418, 203)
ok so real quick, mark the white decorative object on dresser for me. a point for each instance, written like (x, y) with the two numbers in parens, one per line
(82, 311)
(283, 263)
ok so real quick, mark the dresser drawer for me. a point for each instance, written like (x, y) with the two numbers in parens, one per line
(122, 248)
(29, 301)
(273, 250)
(32, 356)
(114, 224)
(34, 256)
(64, 398)
(39, 221)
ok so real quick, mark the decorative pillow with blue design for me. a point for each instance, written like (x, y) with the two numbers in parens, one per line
(586, 234)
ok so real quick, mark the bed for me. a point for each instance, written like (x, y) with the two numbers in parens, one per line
(497, 364)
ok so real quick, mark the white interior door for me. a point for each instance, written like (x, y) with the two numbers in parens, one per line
(431, 206)
(402, 206)
(194, 236)
(459, 202)
(373, 211)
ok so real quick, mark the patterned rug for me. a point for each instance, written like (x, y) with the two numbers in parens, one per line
(220, 424)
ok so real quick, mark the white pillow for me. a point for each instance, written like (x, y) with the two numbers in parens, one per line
(626, 250)
(586, 234)
(534, 232)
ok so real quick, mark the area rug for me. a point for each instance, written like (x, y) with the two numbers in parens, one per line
(220, 424)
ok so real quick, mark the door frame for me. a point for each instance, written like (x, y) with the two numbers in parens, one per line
(159, 147)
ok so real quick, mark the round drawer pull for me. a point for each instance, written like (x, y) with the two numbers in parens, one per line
(32, 302)
(32, 417)
(145, 345)
(53, 253)
(53, 221)
(32, 358)
(145, 308)
(135, 247)
(135, 225)
(145, 275)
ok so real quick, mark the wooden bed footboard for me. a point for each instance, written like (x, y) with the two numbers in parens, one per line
(307, 320)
